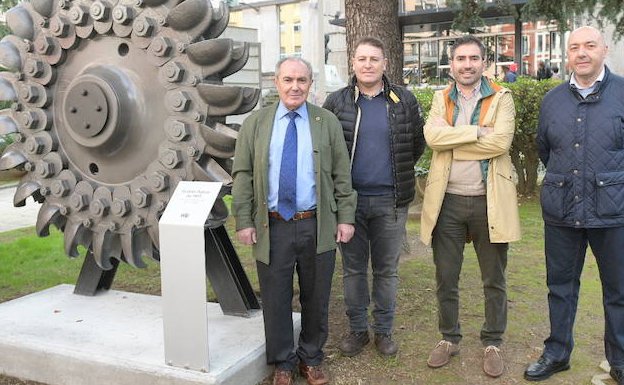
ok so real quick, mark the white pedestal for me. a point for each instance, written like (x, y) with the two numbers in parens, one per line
(58, 338)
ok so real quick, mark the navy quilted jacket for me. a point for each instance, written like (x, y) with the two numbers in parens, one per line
(406, 130)
(581, 142)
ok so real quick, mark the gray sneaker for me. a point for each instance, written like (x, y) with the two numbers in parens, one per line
(354, 343)
(442, 353)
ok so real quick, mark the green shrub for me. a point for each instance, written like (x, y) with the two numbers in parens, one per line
(527, 94)
(425, 98)
(5, 140)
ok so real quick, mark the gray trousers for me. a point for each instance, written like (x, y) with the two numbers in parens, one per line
(293, 247)
(379, 229)
(463, 216)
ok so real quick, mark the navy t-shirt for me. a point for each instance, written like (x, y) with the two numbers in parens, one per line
(372, 168)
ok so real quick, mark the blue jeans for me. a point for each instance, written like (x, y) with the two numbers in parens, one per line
(461, 216)
(565, 257)
(379, 229)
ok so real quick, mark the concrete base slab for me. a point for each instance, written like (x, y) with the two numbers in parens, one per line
(59, 338)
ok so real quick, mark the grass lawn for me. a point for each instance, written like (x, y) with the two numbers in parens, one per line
(29, 263)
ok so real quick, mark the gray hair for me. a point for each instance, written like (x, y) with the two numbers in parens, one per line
(295, 59)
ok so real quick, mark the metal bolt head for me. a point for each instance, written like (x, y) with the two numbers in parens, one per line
(29, 93)
(64, 210)
(77, 15)
(78, 201)
(34, 145)
(29, 119)
(44, 45)
(98, 207)
(160, 206)
(159, 181)
(28, 166)
(138, 221)
(192, 151)
(99, 11)
(141, 197)
(170, 158)
(43, 190)
(63, 4)
(197, 116)
(123, 14)
(179, 101)
(181, 47)
(59, 27)
(60, 188)
(44, 169)
(120, 207)
(87, 222)
(33, 68)
(161, 46)
(143, 26)
(112, 226)
(174, 72)
(177, 130)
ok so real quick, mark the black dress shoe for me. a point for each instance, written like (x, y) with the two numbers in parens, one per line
(544, 368)
(618, 375)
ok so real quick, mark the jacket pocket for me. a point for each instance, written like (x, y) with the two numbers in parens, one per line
(618, 131)
(610, 194)
(554, 196)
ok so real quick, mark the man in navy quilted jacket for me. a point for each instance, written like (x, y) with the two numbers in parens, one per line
(581, 141)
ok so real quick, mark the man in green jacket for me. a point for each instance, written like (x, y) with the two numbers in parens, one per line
(293, 201)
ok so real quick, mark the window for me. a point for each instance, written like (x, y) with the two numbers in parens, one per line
(526, 47)
(297, 27)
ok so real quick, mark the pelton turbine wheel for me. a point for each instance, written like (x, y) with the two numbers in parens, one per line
(113, 103)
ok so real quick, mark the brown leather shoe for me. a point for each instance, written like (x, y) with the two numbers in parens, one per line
(442, 353)
(283, 377)
(313, 374)
(493, 364)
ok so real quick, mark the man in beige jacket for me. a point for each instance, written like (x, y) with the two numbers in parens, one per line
(470, 196)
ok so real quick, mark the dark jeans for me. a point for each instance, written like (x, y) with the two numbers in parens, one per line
(461, 216)
(293, 247)
(379, 229)
(565, 257)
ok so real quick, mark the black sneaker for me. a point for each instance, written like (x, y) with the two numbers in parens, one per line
(385, 345)
(354, 343)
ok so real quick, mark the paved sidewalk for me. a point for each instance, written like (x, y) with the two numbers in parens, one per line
(16, 217)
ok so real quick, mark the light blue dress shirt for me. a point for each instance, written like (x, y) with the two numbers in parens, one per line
(306, 182)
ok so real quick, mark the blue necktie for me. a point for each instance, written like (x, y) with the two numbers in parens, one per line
(287, 193)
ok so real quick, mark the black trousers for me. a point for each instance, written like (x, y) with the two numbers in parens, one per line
(565, 256)
(293, 247)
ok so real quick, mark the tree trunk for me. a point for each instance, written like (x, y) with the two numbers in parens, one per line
(531, 163)
(519, 166)
(379, 19)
